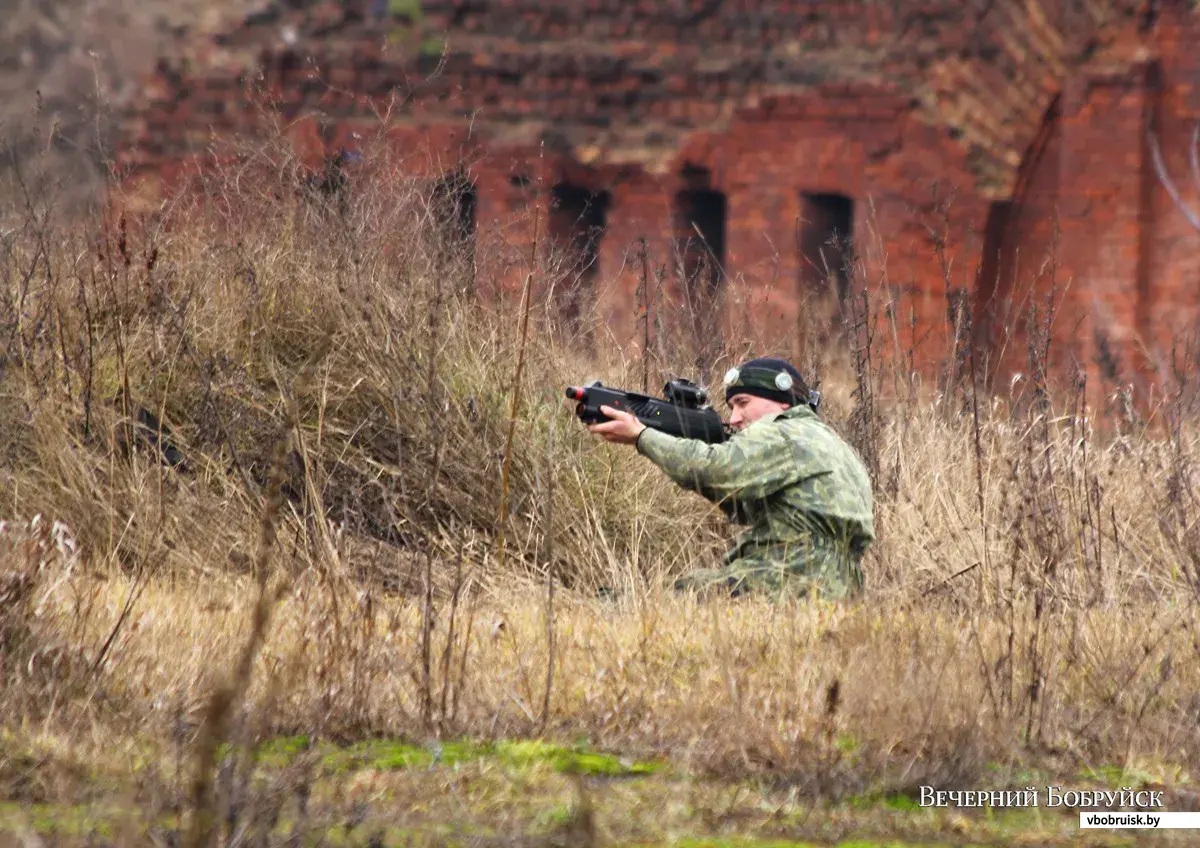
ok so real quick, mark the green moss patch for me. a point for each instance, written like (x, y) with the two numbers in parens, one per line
(390, 755)
(1116, 776)
(571, 760)
(886, 800)
(409, 10)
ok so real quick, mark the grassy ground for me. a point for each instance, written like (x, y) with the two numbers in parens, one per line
(341, 545)
(389, 793)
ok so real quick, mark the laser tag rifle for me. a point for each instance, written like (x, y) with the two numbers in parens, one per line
(684, 412)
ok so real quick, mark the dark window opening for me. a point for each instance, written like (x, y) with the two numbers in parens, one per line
(700, 232)
(993, 268)
(695, 176)
(578, 219)
(453, 205)
(333, 180)
(288, 64)
(701, 238)
(1149, 16)
(826, 239)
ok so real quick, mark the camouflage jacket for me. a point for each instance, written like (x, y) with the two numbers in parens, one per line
(804, 492)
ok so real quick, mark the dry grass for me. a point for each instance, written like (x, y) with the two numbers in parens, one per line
(1031, 598)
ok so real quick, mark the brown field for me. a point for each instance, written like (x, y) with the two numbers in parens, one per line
(360, 613)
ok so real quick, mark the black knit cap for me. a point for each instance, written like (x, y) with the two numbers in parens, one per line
(761, 377)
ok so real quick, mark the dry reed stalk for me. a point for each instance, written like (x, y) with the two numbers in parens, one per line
(223, 702)
(526, 304)
(549, 557)
(218, 715)
(644, 296)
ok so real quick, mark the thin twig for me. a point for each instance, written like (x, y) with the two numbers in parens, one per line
(526, 302)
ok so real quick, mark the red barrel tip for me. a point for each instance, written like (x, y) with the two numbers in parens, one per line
(574, 393)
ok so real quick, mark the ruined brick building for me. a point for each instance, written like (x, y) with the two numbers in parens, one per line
(982, 154)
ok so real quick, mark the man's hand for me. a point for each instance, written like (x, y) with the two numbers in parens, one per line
(624, 428)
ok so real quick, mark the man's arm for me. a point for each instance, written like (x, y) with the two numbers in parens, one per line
(751, 466)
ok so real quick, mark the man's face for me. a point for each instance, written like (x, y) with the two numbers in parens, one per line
(746, 409)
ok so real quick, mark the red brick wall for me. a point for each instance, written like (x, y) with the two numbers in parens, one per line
(641, 209)
(1172, 281)
(1090, 227)
(929, 146)
(885, 161)
(1102, 183)
(1028, 272)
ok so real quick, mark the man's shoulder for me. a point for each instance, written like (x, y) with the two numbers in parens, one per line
(801, 432)
(817, 435)
(770, 427)
(784, 417)
(794, 421)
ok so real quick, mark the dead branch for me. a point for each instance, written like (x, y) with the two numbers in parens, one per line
(1165, 178)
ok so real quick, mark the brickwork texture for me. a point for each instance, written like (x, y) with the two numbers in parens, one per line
(993, 153)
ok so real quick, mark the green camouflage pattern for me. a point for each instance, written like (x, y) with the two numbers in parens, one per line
(803, 491)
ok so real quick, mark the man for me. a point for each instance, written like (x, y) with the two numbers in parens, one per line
(804, 492)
